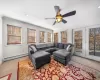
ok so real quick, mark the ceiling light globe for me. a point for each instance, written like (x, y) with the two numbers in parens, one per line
(58, 20)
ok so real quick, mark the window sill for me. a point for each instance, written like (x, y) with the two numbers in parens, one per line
(42, 42)
(31, 43)
(13, 45)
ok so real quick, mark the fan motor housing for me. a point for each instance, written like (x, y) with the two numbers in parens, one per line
(59, 18)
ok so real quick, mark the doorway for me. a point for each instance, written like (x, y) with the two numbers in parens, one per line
(87, 42)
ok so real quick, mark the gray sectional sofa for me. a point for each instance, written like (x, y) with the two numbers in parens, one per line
(61, 53)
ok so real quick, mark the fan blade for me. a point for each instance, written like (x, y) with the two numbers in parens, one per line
(64, 21)
(54, 23)
(69, 14)
(57, 8)
(49, 18)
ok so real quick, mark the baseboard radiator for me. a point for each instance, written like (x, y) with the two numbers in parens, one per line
(14, 57)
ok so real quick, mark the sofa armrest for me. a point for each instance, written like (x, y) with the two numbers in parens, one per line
(31, 52)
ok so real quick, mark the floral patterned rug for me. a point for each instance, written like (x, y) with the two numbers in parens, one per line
(6, 77)
(52, 71)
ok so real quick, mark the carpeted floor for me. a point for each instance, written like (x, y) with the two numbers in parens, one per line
(55, 71)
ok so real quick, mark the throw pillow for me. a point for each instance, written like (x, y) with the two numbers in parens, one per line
(32, 52)
(55, 44)
(68, 47)
(61, 45)
(34, 48)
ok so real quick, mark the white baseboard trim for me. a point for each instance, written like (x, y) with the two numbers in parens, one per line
(88, 57)
(15, 57)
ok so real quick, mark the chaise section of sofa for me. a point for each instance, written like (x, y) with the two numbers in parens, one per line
(38, 58)
(63, 55)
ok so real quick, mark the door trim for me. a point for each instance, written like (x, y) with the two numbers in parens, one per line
(83, 41)
(97, 58)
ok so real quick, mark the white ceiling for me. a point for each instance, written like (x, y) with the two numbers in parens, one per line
(87, 12)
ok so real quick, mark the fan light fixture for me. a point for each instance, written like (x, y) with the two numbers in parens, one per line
(58, 18)
(99, 7)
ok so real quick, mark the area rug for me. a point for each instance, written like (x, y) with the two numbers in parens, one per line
(6, 77)
(52, 71)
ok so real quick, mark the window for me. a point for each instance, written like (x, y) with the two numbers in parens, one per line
(13, 35)
(64, 37)
(31, 36)
(41, 36)
(78, 40)
(55, 37)
(49, 37)
(94, 41)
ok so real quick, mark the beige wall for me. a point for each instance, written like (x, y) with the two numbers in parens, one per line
(0, 39)
(20, 49)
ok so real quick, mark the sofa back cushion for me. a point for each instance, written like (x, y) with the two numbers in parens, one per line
(41, 46)
(34, 48)
(68, 48)
(66, 45)
(29, 49)
(49, 45)
(61, 46)
(56, 45)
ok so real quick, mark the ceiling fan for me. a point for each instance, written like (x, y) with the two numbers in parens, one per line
(59, 18)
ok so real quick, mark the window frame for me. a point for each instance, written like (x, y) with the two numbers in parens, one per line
(49, 37)
(15, 36)
(56, 37)
(40, 37)
(31, 36)
(62, 38)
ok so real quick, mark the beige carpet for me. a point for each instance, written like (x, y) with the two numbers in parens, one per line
(12, 65)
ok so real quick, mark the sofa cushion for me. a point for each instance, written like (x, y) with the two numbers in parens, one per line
(70, 49)
(53, 48)
(61, 54)
(40, 46)
(63, 61)
(56, 45)
(49, 45)
(32, 52)
(30, 48)
(40, 54)
(61, 46)
(66, 45)
(40, 58)
(33, 48)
